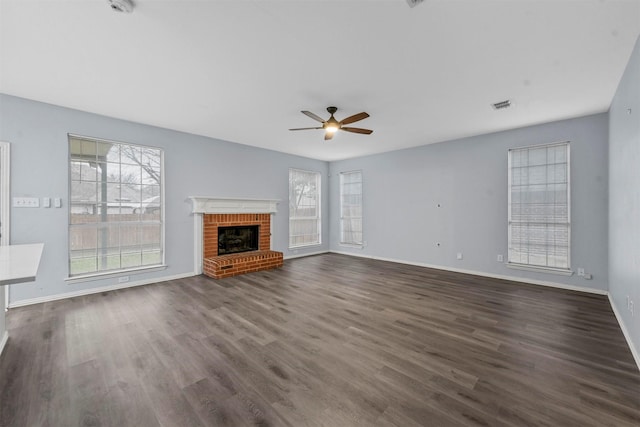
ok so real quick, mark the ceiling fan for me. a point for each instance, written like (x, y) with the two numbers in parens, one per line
(332, 125)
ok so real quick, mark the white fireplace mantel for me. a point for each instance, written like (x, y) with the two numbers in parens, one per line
(214, 205)
(219, 205)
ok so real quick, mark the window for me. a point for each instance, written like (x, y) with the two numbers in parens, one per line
(351, 208)
(115, 212)
(539, 214)
(304, 208)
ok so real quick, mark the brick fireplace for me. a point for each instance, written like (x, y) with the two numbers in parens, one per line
(212, 213)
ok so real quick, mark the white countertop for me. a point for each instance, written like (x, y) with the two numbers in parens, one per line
(19, 263)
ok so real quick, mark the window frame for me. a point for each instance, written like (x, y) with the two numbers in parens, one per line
(535, 267)
(317, 218)
(343, 241)
(97, 273)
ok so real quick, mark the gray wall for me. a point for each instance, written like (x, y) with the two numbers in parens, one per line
(194, 166)
(468, 178)
(624, 198)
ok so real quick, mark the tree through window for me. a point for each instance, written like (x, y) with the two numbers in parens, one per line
(115, 214)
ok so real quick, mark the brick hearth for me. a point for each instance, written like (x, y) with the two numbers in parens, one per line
(231, 265)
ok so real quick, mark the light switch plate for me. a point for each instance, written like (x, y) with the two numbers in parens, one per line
(57, 202)
(26, 202)
(46, 202)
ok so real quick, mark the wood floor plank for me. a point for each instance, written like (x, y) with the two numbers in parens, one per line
(17, 362)
(209, 401)
(325, 340)
(49, 377)
(168, 402)
(87, 392)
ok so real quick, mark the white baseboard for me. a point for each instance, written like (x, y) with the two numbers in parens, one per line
(5, 337)
(83, 292)
(481, 273)
(306, 254)
(625, 332)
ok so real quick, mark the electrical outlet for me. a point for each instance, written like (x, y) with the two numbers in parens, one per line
(459, 256)
(588, 276)
(123, 279)
(500, 258)
(581, 272)
(631, 307)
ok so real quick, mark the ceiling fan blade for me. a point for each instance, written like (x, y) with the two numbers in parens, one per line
(357, 130)
(354, 118)
(320, 127)
(313, 116)
(328, 136)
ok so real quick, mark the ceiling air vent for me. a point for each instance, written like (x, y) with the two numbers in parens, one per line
(414, 3)
(501, 105)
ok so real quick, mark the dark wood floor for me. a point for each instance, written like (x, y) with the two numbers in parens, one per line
(327, 340)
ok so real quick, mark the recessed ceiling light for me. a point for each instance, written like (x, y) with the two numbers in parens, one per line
(501, 105)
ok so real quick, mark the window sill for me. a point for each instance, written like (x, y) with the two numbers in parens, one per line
(352, 245)
(110, 274)
(310, 245)
(550, 270)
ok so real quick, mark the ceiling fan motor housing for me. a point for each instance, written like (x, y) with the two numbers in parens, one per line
(125, 6)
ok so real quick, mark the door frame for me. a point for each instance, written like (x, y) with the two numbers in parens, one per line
(5, 206)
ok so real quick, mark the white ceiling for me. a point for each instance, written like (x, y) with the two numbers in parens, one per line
(242, 70)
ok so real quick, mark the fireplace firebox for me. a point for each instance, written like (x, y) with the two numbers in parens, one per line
(236, 239)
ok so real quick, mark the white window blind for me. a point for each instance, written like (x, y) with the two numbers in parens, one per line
(351, 208)
(304, 208)
(115, 213)
(539, 206)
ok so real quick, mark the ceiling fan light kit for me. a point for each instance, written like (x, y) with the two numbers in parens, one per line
(331, 125)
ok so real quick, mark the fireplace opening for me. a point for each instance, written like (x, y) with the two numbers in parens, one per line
(242, 238)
